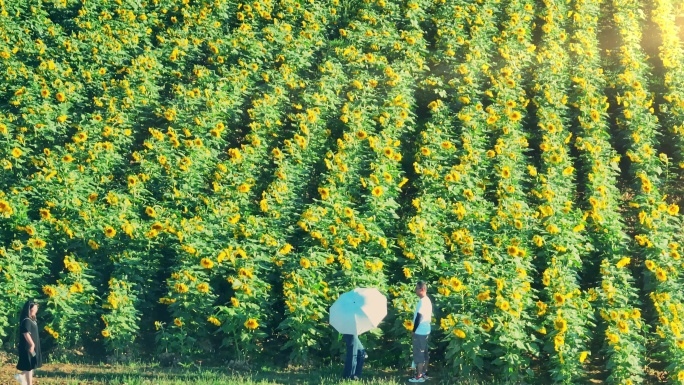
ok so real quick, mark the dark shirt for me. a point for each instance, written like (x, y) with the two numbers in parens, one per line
(26, 360)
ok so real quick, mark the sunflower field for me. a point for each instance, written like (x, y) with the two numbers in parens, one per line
(197, 177)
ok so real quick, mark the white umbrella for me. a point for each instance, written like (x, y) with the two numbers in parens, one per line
(358, 311)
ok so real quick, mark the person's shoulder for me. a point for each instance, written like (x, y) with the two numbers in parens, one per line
(25, 323)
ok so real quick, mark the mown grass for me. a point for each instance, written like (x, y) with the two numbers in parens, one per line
(77, 374)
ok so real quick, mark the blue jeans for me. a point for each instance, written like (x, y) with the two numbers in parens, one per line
(353, 362)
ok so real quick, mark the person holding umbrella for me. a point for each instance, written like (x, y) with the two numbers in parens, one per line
(354, 358)
(356, 312)
(422, 317)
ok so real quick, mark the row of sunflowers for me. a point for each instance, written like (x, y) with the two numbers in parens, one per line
(201, 176)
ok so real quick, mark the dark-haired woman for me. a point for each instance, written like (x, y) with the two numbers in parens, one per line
(29, 343)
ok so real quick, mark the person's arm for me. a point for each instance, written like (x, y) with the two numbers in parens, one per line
(31, 344)
(419, 316)
(416, 321)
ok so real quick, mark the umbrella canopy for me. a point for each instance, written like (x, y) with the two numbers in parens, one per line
(358, 311)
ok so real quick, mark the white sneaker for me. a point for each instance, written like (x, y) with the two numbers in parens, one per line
(20, 378)
(417, 379)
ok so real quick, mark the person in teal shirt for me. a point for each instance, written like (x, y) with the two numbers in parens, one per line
(422, 319)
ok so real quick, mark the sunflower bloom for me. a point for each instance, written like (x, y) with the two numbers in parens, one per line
(583, 356)
(109, 231)
(650, 265)
(487, 326)
(559, 298)
(203, 287)
(207, 263)
(77, 287)
(285, 249)
(50, 291)
(623, 262)
(150, 212)
(251, 324)
(181, 288)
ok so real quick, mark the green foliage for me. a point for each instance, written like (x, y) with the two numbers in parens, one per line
(207, 177)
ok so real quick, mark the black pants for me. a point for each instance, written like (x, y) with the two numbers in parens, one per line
(352, 367)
